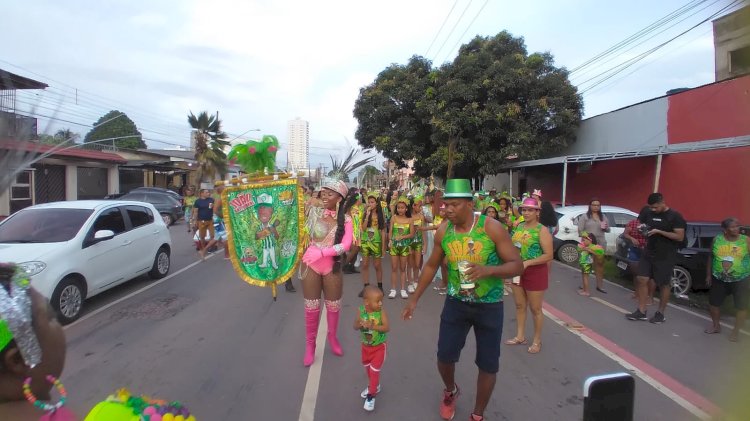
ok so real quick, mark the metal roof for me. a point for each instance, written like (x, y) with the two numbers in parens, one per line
(11, 81)
(56, 150)
(704, 145)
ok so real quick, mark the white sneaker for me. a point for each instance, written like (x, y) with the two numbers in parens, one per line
(366, 390)
(410, 289)
(369, 404)
(404, 294)
(392, 294)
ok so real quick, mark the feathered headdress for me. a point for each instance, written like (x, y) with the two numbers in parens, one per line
(15, 314)
(256, 156)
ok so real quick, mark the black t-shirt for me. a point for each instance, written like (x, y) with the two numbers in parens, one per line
(205, 209)
(658, 245)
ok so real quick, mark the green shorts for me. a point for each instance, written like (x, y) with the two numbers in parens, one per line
(587, 268)
(416, 246)
(371, 248)
(400, 250)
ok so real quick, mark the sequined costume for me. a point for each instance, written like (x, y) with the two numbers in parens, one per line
(322, 237)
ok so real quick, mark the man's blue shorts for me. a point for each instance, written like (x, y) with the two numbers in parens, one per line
(456, 320)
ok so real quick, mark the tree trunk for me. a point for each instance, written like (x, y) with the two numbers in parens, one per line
(452, 142)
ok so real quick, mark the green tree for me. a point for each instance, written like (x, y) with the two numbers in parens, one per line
(368, 174)
(493, 101)
(62, 136)
(392, 115)
(210, 142)
(117, 126)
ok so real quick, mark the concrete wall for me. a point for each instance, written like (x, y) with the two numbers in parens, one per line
(731, 32)
(641, 126)
(717, 111)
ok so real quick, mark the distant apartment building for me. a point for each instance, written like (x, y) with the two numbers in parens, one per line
(298, 135)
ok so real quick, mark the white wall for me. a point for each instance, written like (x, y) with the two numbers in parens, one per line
(641, 126)
(71, 182)
(114, 180)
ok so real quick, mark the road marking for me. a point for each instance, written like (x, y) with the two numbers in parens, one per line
(138, 291)
(674, 390)
(670, 305)
(310, 398)
(610, 305)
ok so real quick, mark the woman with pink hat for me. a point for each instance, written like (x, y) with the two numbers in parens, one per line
(331, 232)
(535, 244)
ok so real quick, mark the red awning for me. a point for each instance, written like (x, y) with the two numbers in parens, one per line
(77, 152)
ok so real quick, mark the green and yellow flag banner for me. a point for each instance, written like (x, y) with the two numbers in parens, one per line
(264, 221)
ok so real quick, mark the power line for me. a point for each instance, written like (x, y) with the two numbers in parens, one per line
(637, 35)
(466, 30)
(452, 29)
(639, 43)
(645, 54)
(441, 28)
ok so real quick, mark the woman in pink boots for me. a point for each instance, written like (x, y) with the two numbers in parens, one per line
(331, 232)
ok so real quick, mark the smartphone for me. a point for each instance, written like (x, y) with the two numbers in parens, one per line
(610, 397)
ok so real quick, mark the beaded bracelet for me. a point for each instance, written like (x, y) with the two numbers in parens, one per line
(43, 405)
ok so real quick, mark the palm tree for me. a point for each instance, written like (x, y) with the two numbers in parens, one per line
(67, 135)
(210, 142)
(346, 166)
(368, 174)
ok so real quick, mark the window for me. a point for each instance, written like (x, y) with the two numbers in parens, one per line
(157, 198)
(739, 61)
(139, 216)
(43, 225)
(110, 219)
(619, 220)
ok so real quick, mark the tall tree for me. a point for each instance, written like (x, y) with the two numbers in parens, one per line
(210, 142)
(368, 175)
(122, 131)
(493, 101)
(392, 115)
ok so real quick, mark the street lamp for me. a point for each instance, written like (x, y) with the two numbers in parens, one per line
(244, 133)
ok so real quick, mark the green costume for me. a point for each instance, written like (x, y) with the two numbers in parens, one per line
(475, 247)
(372, 337)
(731, 261)
(527, 240)
(586, 259)
(400, 247)
(372, 241)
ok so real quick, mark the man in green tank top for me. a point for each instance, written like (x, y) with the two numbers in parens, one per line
(480, 255)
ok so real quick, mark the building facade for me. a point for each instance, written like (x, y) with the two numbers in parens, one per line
(692, 146)
(732, 44)
(298, 138)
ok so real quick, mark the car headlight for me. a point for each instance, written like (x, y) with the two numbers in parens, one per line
(32, 268)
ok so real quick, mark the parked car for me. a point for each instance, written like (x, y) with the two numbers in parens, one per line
(169, 208)
(158, 190)
(566, 238)
(689, 271)
(75, 250)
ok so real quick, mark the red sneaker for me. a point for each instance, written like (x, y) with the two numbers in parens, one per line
(448, 404)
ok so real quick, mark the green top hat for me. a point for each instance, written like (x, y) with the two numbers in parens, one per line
(457, 188)
(264, 199)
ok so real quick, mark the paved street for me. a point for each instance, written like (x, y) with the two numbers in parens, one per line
(229, 352)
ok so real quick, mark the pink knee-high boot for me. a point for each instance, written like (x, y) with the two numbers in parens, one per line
(333, 309)
(312, 318)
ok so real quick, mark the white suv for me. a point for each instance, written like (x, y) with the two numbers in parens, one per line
(75, 250)
(566, 238)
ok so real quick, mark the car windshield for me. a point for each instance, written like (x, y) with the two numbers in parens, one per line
(559, 215)
(46, 225)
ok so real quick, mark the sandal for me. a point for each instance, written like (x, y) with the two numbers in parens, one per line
(711, 330)
(733, 337)
(602, 290)
(516, 341)
(535, 348)
(583, 293)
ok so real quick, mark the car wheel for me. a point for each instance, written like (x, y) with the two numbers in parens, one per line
(167, 218)
(161, 264)
(681, 281)
(67, 300)
(568, 253)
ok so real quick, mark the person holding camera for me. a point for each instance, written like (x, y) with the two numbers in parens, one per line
(665, 231)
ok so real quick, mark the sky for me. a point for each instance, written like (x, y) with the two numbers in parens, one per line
(262, 63)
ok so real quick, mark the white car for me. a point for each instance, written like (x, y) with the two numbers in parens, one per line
(77, 249)
(566, 237)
